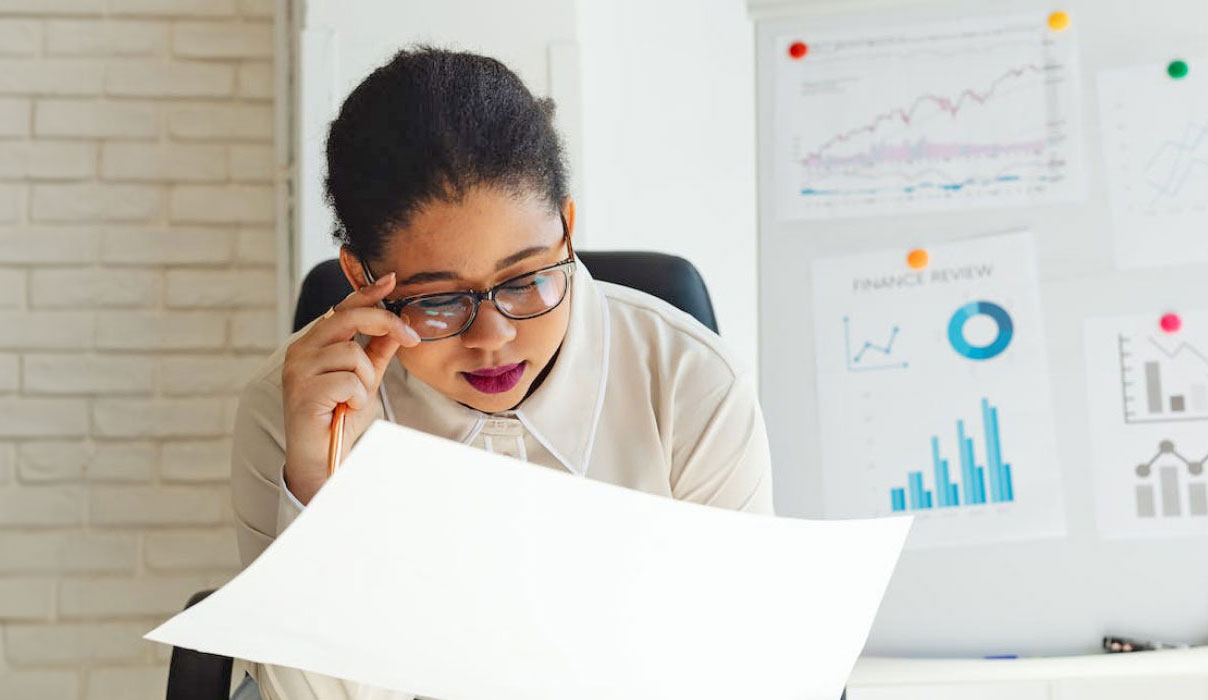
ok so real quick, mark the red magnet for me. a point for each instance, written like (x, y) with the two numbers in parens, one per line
(1171, 323)
(798, 49)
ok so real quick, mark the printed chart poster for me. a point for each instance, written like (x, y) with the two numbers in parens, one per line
(951, 115)
(934, 392)
(1155, 147)
(1148, 394)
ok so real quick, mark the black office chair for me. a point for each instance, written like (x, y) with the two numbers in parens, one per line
(196, 675)
(193, 675)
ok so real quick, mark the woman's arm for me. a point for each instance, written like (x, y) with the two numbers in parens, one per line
(257, 457)
(263, 508)
(720, 447)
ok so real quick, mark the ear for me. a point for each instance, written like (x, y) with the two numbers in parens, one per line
(351, 265)
(568, 213)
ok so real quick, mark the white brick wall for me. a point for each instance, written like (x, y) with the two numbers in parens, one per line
(20, 37)
(112, 38)
(137, 295)
(15, 116)
(97, 119)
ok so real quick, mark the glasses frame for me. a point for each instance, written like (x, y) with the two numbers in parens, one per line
(396, 306)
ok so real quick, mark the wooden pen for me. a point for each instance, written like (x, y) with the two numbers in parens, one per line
(336, 444)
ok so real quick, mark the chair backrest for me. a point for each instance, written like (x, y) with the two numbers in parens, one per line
(668, 277)
(196, 675)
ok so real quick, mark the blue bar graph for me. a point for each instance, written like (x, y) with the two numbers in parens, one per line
(972, 488)
(943, 486)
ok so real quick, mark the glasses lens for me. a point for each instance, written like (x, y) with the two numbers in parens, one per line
(439, 316)
(532, 294)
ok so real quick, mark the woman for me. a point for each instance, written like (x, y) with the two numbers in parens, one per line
(473, 320)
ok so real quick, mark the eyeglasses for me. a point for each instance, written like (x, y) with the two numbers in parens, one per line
(444, 315)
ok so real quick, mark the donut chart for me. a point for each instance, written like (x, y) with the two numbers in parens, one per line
(956, 330)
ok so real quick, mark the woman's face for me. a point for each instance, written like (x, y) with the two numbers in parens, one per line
(488, 237)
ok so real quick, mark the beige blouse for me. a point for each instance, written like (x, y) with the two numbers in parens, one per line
(641, 395)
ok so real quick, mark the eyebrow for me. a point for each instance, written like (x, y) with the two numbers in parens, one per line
(503, 264)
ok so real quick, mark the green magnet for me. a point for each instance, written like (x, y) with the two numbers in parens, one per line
(1177, 69)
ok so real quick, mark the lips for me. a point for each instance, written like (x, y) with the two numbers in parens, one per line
(495, 380)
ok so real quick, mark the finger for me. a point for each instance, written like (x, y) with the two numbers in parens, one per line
(344, 324)
(341, 387)
(369, 294)
(379, 352)
(347, 356)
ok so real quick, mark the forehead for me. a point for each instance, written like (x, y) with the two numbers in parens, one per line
(471, 235)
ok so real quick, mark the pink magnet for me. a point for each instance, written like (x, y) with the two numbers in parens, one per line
(1171, 323)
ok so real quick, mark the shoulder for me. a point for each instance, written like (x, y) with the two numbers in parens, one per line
(644, 327)
(263, 388)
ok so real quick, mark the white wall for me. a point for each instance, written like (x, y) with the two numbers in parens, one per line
(655, 100)
(669, 142)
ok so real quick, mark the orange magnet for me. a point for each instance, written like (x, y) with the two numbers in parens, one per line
(917, 259)
(1058, 21)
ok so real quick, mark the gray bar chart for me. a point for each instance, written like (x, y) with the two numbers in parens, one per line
(1170, 497)
(1162, 381)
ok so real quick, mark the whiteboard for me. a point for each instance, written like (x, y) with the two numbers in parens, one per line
(1038, 597)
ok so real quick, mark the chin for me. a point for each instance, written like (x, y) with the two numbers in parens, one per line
(493, 403)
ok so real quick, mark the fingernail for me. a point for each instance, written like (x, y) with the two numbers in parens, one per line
(381, 281)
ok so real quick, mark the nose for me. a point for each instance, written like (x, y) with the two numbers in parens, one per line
(491, 330)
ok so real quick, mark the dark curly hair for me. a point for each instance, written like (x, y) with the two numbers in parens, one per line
(427, 126)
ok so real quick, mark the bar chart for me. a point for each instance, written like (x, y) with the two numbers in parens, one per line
(1147, 393)
(974, 480)
(1168, 498)
(1162, 380)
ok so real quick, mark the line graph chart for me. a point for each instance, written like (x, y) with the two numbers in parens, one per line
(882, 357)
(1177, 162)
(933, 116)
(1155, 147)
(907, 117)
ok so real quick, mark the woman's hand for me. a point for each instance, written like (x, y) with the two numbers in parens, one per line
(325, 367)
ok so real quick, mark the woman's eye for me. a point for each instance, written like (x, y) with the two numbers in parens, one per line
(438, 303)
(526, 284)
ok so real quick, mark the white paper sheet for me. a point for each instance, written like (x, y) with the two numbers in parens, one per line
(1147, 390)
(1155, 153)
(434, 568)
(936, 388)
(878, 119)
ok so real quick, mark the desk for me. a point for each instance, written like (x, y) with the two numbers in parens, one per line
(1175, 674)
